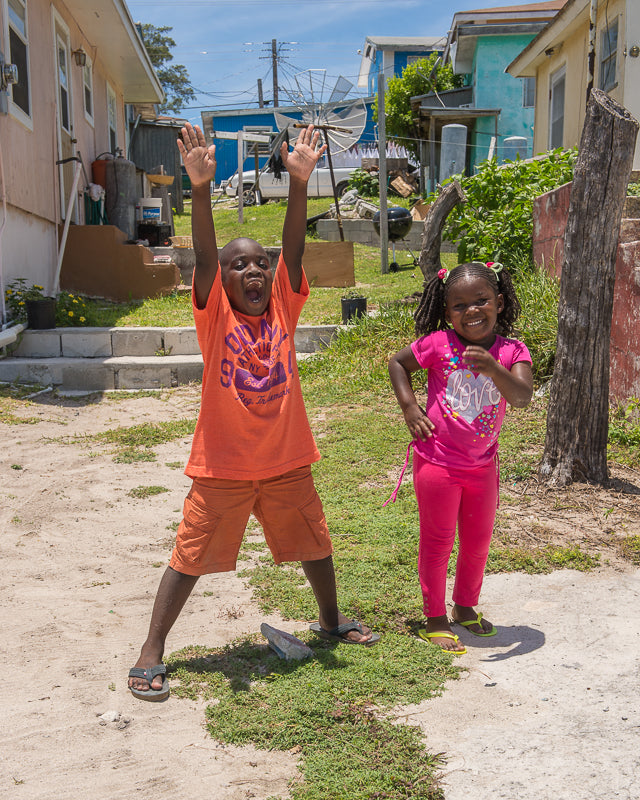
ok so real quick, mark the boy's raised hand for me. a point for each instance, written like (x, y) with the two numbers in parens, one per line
(198, 159)
(300, 162)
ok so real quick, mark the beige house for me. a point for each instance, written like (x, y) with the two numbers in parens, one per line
(78, 63)
(558, 58)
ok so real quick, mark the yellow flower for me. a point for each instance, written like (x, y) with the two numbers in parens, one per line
(75, 301)
(70, 313)
(35, 286)
(83, 319)
(70, 295)
(21, 303)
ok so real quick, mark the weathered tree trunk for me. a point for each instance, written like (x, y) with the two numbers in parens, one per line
(578, 413)
(448, 199)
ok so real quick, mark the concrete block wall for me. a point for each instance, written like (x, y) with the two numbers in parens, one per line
(102, 359)
(363, 232)
(96, 343)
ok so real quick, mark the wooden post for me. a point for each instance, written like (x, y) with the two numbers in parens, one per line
(577, 416)
(437, 214)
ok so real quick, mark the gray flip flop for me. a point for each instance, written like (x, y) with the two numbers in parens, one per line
(154, 695)
(337, 634)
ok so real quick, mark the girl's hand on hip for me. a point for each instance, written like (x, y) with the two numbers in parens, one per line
(419, 425)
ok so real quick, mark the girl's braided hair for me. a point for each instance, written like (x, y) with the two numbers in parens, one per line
(430, 314)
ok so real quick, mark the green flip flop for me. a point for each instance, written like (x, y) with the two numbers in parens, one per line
(422, 633)
(476, 621)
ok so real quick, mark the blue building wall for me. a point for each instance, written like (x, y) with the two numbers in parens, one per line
(494, 88)
(400, 61)
(236, 120)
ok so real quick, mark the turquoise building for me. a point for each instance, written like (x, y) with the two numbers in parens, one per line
(480, 45)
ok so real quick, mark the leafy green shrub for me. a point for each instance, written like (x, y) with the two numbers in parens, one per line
(71, 309)
(365, 182)
(420, 77)
(16, 295)
(496, 222)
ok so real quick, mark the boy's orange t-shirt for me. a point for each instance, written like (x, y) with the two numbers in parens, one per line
(252, 423)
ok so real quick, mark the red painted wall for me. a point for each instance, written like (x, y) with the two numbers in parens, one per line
(550, 212)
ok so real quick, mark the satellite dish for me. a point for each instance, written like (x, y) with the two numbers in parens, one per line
(341, 121)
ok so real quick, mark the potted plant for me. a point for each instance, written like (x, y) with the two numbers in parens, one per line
(30, 304)
(354, 304)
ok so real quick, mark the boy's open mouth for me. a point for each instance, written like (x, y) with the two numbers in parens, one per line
(254, 292)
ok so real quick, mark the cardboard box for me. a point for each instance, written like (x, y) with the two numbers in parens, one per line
(420, 210)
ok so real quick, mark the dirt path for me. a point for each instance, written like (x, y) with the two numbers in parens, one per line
(549, 708)
(77, 585)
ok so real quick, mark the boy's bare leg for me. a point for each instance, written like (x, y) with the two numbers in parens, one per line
(322, 577)
(174, 589)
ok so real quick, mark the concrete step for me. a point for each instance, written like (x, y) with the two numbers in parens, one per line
(101, 359)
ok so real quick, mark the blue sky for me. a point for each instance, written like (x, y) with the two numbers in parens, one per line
(226, 44)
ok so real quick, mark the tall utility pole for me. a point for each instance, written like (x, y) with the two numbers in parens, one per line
(260, 98)
(274, 69)
(382, 175)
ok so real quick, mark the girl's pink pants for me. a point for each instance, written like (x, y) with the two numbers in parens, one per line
(446, 497)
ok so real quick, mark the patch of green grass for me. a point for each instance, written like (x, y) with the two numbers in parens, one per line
(630, 549)
(624, 433)
(333, 708)
(142, 492)
(538, 294)
(539, 561)
(136, 442)
(12, 397)
(522, 440)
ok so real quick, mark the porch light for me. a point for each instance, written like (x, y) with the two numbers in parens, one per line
(80, 57)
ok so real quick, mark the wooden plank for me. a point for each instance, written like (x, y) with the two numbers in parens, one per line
(329, 263)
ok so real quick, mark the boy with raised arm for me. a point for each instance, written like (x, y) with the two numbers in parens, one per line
(253, 447)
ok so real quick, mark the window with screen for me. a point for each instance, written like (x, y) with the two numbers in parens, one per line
(112, 116)
(528, 92)
(19, 54)
(87, 90)
(608, 52)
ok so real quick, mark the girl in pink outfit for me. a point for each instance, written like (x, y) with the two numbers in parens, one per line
(473, 372)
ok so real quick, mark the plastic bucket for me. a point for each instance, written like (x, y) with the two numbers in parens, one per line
(150, 209)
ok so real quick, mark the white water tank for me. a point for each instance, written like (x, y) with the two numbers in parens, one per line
(514, 147)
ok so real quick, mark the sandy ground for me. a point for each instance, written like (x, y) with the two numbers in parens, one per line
(548, 709)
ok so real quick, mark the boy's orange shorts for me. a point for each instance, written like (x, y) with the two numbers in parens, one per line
(216, 512)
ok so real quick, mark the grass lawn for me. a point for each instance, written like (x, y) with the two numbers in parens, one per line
(336, 710)
(264, 224)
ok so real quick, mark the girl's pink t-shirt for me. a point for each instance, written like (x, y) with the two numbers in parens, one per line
(466, 407)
